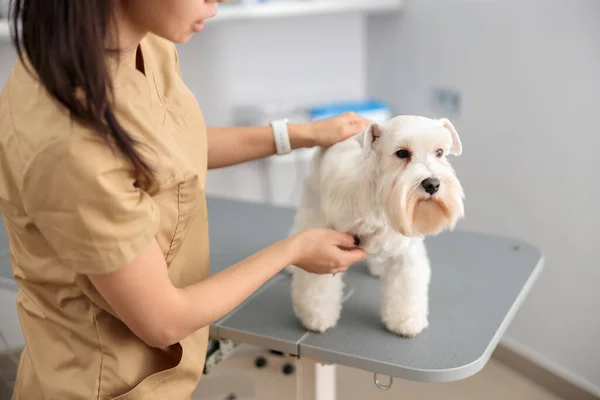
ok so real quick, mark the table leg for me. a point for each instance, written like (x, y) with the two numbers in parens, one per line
(315, 381)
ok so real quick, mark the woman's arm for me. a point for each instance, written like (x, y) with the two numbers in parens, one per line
(144, 298)
(230, 146)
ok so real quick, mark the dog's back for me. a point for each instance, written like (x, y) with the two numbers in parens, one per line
(336, 188)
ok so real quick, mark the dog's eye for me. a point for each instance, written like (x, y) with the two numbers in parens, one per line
(402, 153)
(439, 153)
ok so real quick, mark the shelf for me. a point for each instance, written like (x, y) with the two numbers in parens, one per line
(281, 9)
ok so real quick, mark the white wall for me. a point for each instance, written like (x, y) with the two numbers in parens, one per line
(292, 60)
(529, 74)
(7, 58)
(295, 61)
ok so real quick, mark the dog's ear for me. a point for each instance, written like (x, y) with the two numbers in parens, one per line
(456, 149)
(366, 138)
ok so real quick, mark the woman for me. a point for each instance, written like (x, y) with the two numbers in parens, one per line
(103, 157)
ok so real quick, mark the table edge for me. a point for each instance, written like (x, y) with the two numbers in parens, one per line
(426, 375)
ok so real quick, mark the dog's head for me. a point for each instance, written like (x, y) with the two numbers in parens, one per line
(416, 183)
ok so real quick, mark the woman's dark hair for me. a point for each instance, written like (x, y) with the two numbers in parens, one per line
(65, 41)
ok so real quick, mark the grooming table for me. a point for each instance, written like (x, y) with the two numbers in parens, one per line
(478, 283)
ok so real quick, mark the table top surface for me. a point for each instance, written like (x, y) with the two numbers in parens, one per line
(478, 283)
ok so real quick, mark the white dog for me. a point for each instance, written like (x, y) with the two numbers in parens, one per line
(390, 186)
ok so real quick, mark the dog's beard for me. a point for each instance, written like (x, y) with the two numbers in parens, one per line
(412, 212)
(433, 214)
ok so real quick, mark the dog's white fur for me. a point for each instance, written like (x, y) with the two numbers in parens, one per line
(362, 186)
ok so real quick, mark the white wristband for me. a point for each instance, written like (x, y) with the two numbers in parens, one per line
(281, 136)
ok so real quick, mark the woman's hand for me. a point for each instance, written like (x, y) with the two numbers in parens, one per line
(325, 251)
(332, 130)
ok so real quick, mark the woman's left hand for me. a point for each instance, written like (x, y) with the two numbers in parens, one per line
(332, 130)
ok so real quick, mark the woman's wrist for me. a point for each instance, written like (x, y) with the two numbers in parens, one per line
(289, 247)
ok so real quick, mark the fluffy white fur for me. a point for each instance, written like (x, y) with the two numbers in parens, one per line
(363, 186)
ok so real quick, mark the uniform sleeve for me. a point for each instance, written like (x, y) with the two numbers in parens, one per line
(81, 197)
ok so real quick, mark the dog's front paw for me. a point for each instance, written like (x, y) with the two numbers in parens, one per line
(319, 322)
(407, 326)
(317, 316)
(316, 299)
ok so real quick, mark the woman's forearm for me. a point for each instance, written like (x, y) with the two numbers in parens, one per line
(142, 295)
(230, 146)
(203, 303)
(161, 314)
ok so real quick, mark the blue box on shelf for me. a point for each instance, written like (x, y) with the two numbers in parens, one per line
(369, 108)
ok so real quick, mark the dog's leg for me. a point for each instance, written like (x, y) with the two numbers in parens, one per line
(376, 266)
(317, 299)
(308, 213)
(404, 303)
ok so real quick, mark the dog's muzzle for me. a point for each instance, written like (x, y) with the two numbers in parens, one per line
(431, 185)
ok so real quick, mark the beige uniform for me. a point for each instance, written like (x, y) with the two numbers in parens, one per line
(71, 207)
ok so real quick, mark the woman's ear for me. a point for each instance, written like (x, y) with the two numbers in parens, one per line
(366, 138)
(456, 149)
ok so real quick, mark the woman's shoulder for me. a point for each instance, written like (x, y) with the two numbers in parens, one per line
(29, 114)
(34, 125)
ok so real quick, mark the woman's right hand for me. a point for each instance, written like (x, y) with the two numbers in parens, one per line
(325, 251)
(169, 318)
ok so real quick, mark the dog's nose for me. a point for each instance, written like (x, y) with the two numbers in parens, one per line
(431, 185)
